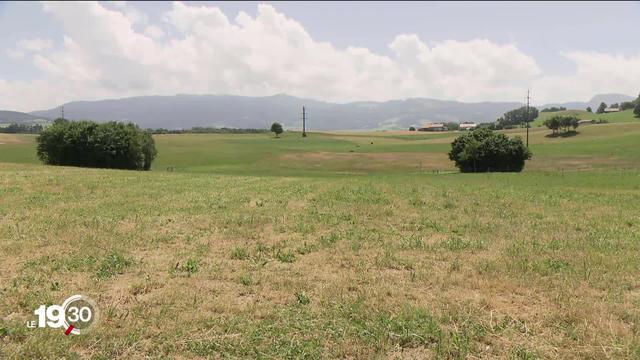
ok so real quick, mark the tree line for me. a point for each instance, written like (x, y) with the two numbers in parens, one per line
(21, 129)
(554, 109)
(208, 130)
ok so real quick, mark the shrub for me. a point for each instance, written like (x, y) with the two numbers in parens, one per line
(113, 145)
(636, 110)
(483, 150)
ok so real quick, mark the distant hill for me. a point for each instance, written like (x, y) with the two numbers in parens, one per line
(15, 117)
(186, 111)
(593, 103)
(616, 117)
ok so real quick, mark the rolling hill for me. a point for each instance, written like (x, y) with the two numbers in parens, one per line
(594, 102)
(185, 111)
(15, 117)
(622, 116)
(336, 245)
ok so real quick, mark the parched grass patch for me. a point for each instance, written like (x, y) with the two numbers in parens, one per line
(530, 265)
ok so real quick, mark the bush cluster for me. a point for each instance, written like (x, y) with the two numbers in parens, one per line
(559, 122)
(113, 145)
(483, 150)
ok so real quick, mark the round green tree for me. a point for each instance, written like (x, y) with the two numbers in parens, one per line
(112, 145)
(483, 150)
(276, 128)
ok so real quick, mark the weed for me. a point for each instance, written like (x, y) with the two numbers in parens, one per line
(240, 253)
(112, 264)
(285, 256)
(302, 298)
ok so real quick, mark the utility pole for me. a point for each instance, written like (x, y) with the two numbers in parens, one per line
(527, 119)
(62, 111)
(304, 122)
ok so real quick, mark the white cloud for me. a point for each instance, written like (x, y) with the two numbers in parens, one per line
(35, 44)
(108, 52)
(15, 54)
(595, 73)
(25, 46)
(154, 32)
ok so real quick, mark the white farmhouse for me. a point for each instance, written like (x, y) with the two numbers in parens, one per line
(467, 125)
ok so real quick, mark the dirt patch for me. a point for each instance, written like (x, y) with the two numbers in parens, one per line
(6, 139)
(369, 161)
(577, 163)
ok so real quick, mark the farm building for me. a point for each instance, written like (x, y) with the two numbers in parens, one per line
(467, 125)
(433, 127)
(610, 109)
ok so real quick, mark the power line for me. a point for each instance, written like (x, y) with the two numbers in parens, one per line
(304, 122)
(527, 119)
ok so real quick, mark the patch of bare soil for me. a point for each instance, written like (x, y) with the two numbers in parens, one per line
(6, 139)
(371, 161)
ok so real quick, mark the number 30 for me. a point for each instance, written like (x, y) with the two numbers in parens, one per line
(83, 314)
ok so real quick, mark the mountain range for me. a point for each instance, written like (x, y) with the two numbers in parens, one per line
(8, 117)
(186, 111)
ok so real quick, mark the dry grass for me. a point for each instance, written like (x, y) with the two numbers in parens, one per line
(413, 162)
(436, 266)
(12, 139)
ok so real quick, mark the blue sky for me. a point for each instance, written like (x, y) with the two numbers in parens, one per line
(337, 51)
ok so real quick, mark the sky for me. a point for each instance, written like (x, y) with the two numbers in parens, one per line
(56, 52)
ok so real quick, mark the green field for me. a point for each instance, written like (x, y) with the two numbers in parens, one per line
(622, 116)
(338, 245)
(602, 146)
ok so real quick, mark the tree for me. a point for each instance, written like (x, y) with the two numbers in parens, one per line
(483, 150)
(453, 126)
(518, 117)
(601, 108)
(626, 105)
(630, 104)
(89, 144)
(553, 109)
(636, 110)
(562, 122)
(276, 128)
(589, 109)
(553, 124)
(411, 128)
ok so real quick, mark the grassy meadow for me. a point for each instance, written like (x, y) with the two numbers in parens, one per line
(616, 117)
(339, 245)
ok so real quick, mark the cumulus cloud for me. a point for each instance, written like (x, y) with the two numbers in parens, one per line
(154, 32)
(595, 72)
(35, 44)
(115, 52)
(25, 46)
